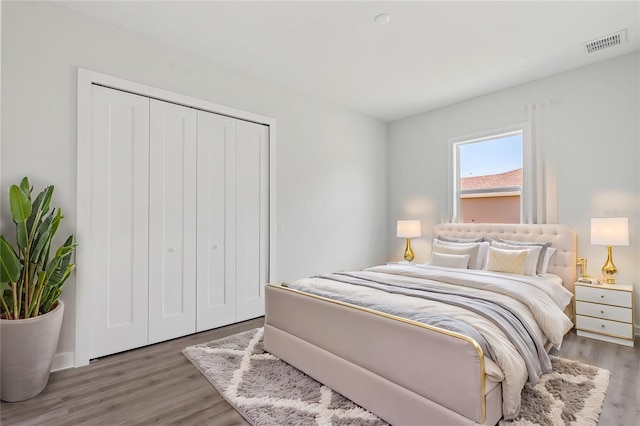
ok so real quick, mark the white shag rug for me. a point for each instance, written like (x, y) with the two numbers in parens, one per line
(572, 394)
(268, 391)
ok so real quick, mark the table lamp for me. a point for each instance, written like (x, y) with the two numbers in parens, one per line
(408, 229)
(610, 231)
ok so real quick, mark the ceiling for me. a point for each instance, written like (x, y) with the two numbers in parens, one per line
(430, 54)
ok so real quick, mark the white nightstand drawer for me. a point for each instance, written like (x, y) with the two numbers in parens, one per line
(614, 313)
(606, 296)
(611, 328)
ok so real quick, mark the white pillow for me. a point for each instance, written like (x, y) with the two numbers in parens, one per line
(524, 244)
(547, 258)
(460, 261)
(531, 263)
(510, 261)
(477, 253)
(483, 252)
(468, 249)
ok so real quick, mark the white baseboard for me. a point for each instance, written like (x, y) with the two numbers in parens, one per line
(63, 361)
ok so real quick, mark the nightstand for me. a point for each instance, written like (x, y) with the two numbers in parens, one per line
(605, 312)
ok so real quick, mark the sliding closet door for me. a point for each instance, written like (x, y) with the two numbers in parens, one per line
(216, 220)
(252, 218)
(118, 211)
(172, 221)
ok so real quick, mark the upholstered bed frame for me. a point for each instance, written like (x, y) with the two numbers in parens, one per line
(405, 372)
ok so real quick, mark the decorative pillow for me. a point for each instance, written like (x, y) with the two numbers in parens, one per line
(510, 261)
(454, 248)
(460, 261)
(477, 254)
(460, 240)
(532, 259)
(548, 254)
(544, 246)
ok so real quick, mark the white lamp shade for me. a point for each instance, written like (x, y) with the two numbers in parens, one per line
(610, 231)
(408, 228)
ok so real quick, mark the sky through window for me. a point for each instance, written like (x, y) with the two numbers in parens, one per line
(491, 156)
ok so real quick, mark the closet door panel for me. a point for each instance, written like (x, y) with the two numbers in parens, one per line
(172, 221)
(119, 211)
(216, 304)
(252, 218)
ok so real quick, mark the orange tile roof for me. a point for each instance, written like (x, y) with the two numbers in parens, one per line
(500, 180)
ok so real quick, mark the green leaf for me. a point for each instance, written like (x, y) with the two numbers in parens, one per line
(56, 222)
(48, 194)
(66, 248)
(26, 187)
(62, 272)
(50, 300)
(52, 267)
(54, 227)
(10, 266)
(42, 238)
(20, 204)
(40, 206)
(20, 211)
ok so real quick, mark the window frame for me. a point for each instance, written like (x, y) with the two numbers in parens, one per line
(527, 194)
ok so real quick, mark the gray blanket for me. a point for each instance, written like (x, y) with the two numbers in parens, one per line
(525, 341)
(440, 321)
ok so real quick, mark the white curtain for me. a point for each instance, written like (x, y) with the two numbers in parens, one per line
(540, 189)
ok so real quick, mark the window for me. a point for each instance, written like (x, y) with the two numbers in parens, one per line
(489, 175)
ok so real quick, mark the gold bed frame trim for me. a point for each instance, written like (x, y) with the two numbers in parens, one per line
(410, 322)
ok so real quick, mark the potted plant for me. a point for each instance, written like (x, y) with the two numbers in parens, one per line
(31, 280)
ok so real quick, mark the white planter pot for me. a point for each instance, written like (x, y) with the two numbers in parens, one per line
(27, 348)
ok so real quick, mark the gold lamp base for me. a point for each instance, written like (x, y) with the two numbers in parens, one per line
(609, 270)
(408, 253)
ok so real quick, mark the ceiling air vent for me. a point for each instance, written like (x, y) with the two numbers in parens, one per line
(604, 42)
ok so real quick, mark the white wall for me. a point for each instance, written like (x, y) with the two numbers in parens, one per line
(587, 124)
(331, 166)
(1, 200)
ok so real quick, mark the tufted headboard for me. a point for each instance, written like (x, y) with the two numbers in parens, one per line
(562, 238)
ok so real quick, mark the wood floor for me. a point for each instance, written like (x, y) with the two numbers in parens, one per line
(151, 385)
(157, 385)
(622, 403)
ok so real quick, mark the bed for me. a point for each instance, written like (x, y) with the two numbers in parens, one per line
(409, 371)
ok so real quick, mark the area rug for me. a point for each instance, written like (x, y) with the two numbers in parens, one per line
(572, 394)
(268, 391)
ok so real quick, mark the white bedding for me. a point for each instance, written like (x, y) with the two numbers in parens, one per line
(539, 301)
